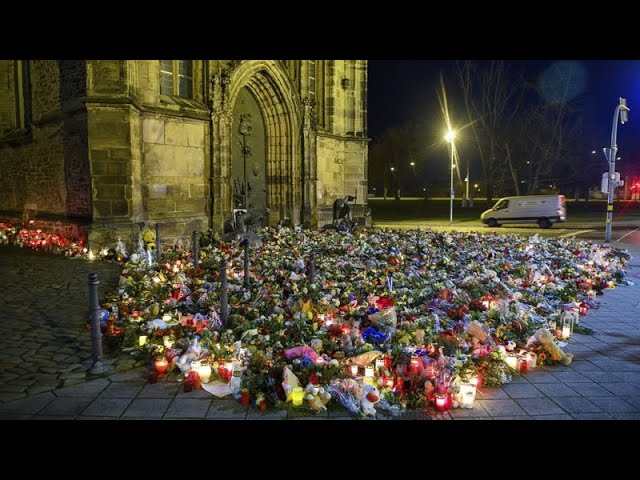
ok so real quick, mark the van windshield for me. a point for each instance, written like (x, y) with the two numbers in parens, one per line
(504, 203)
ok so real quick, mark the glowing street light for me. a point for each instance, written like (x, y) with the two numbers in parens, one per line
(449, 137)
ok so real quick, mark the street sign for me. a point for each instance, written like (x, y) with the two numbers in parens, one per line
(604, 185)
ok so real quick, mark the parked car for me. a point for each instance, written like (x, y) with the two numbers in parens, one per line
(545, 210)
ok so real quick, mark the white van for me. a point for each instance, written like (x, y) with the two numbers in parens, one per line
(545, 210)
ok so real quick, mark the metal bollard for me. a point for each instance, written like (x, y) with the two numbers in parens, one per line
(224, 294)
(158, 244)
(312, 269)
(195, 245)
(96, 334)
(246, 263)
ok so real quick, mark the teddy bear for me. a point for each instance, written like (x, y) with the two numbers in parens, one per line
(192, 353)
(370, 396)
(317, 397)
(547, 340)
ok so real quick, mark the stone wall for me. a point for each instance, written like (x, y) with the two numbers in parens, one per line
(33, 168)
(342, 171)
(174, 173)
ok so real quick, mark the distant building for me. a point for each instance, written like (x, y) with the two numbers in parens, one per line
(103, 145)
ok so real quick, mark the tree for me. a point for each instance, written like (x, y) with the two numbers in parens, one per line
(492, 100)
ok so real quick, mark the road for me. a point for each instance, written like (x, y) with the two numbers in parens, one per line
(623, 233)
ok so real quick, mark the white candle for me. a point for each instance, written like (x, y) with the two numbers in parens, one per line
(467, 395)
(566, 331)
(512, 361)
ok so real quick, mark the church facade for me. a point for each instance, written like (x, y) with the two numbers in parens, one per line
(102, 146)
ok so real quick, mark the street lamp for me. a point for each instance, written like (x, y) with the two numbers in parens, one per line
(413, 168)
(622, 112)
(449, 137)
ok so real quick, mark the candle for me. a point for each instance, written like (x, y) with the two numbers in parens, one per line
(162, 365)
(354, 370)
(142, 340)
(167, 341)
(523, 363)
(204, 371)
(368, 371)
(387, 361)
(467, 395)
(245, 397)
(583, 308)
(379, 363)
(414, 364)
(512, 361)
(533, 359)
(152, 377)
(229, 370)
(441, 401)
(399, 386)
(297, 395)
(566, 330)
(369, 380)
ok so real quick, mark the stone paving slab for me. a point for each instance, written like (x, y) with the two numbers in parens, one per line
(188, 408)
(107, 407)
(122, 390)
(556, 390)
(88, 389)
(590, 389)
(577, 405)
(67, 406)
(539, 406)
(149, 408)
(522, 390)
(30, 405)
(227, 409)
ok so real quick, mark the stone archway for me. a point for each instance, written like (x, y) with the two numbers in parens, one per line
(279, 104)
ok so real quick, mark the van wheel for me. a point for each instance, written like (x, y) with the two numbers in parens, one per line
(544, 223)
(492, 223)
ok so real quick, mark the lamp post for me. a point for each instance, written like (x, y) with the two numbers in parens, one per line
(413, 168)
(610, 153)
(449, 137)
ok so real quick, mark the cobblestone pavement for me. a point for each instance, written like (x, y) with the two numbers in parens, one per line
(602, 382)
(43, 310)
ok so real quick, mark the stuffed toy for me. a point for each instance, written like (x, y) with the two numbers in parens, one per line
(545, 338)
(370, 396)
(317, 397)
(149, 237)
(289, 382)
(192, 353)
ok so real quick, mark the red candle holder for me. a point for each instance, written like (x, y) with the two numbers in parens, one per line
(387, 361)
(262, 406)
(583, 309)
(152, 377)
(162, 365)
(414, 364)
(441, 401)
(245, 397)
(524, 365)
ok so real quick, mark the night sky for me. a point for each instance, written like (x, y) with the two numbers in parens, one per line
(405, 90)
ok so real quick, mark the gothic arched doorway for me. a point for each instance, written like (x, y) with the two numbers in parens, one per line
(248, 154)
(263, 90)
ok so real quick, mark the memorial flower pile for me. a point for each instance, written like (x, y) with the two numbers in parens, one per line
(392, 318)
